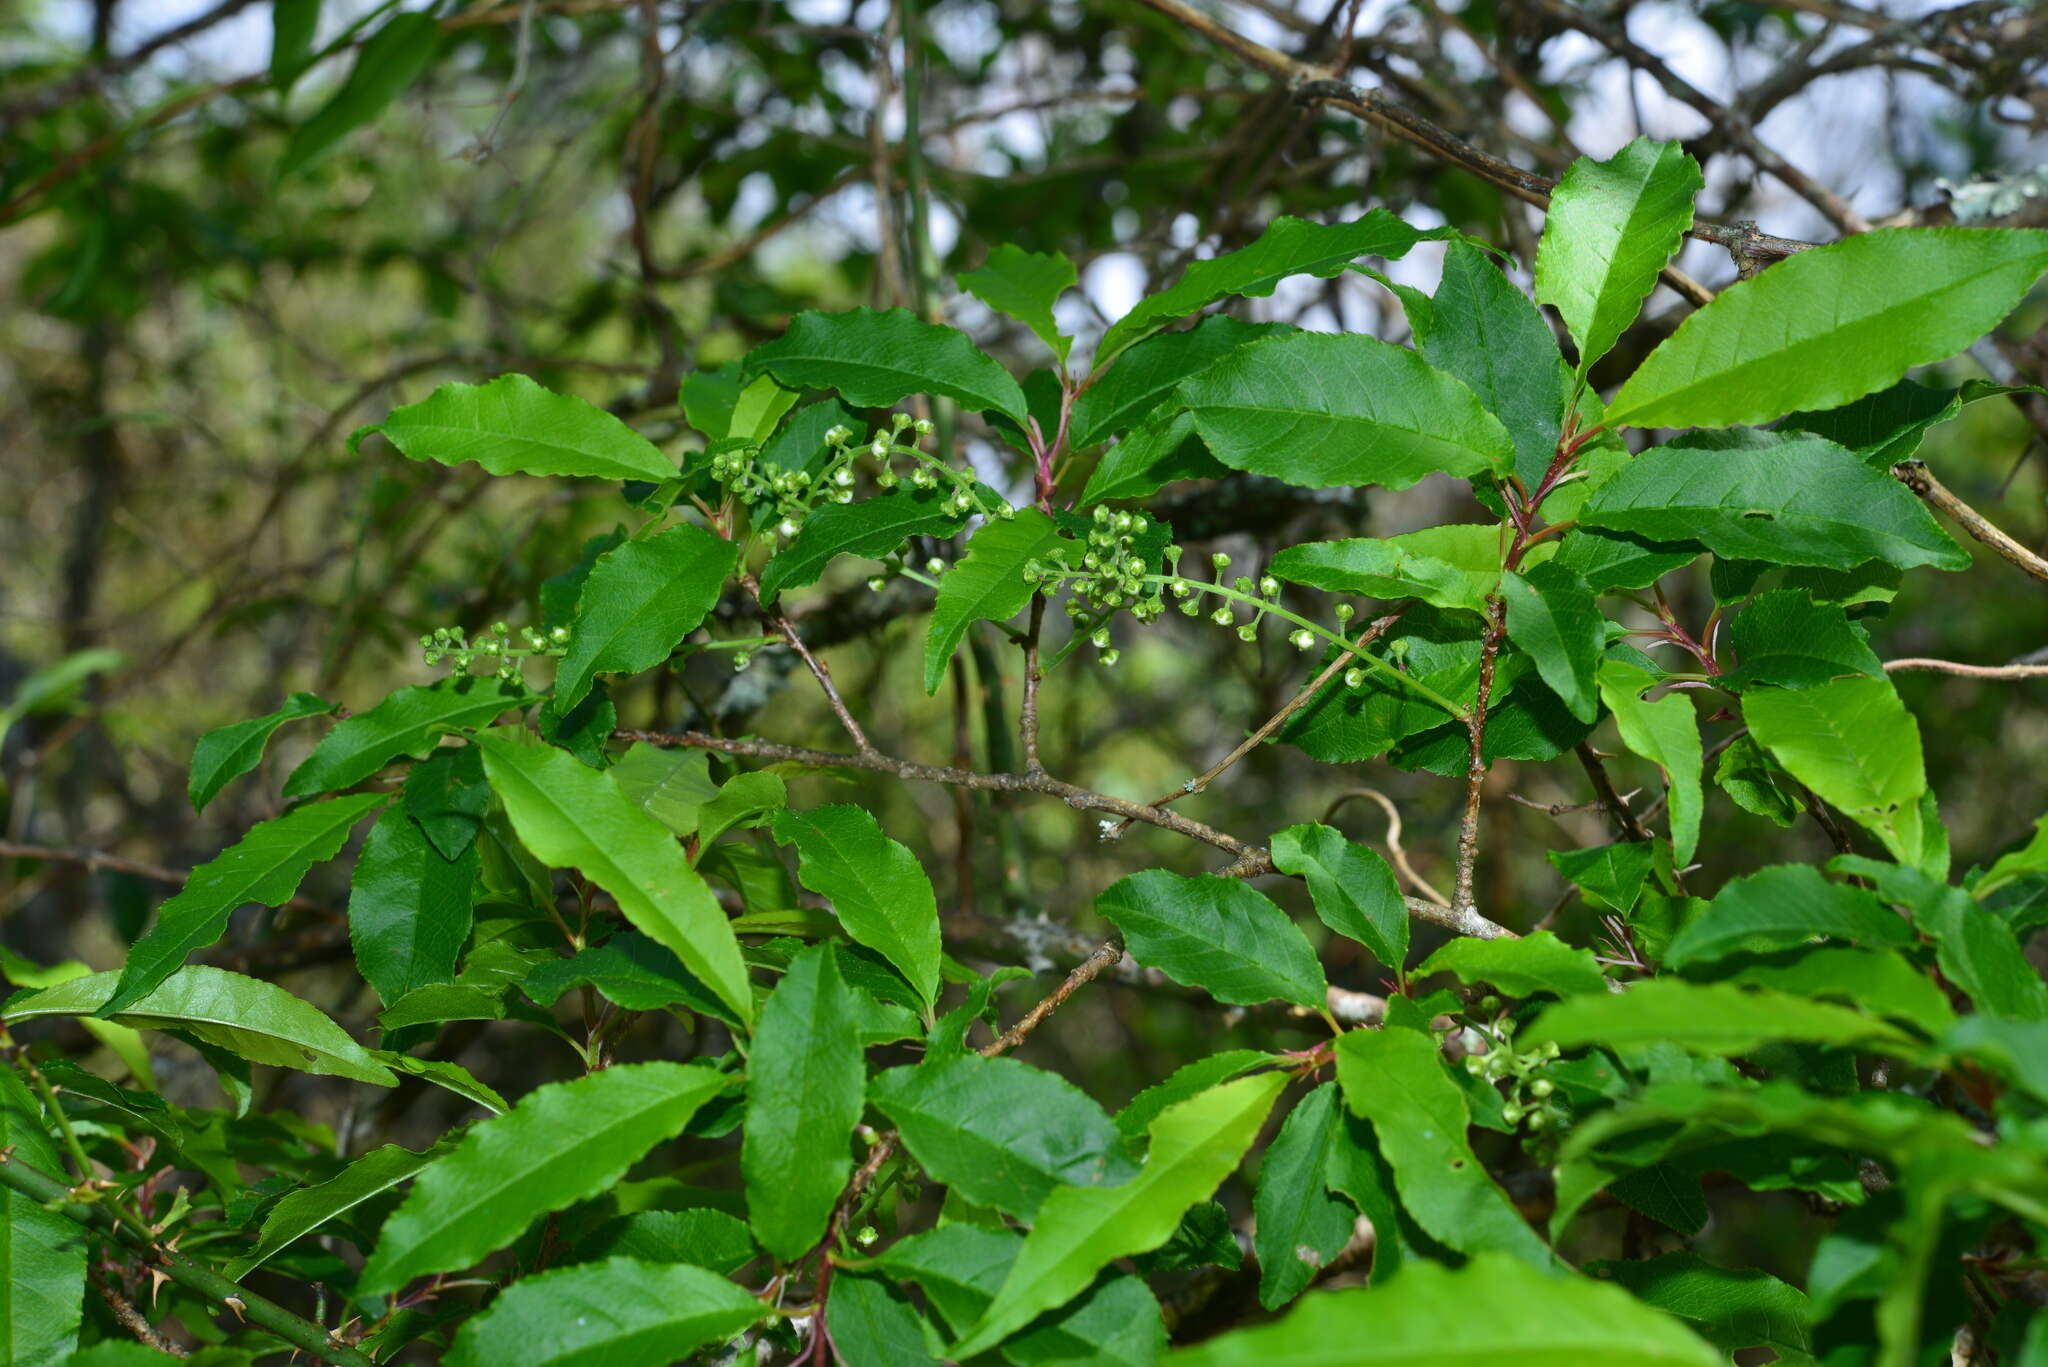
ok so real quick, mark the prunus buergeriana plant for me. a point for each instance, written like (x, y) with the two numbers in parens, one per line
(849, 1164)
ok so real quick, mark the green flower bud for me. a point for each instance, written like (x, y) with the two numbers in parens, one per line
(1303, 639)
(1221, 617)
(1248, 632)
(1542, 1087)
(1268, 585)
(1109, 657)
(935, 566)
(1354, 677)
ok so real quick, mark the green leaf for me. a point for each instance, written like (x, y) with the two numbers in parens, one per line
(1730, 1307)
(873, 527)
(637, 605)
(1215, 934)
(1882, 982)
(631, 972)
(1288, 246)
(1494, 1310)
(55, 687)
(1977, 951)
(571, 816)
(450, 1077)
(758, 409)
(1436, 648)
(293, 25)
(564, 1142)
(1666, 733)
(265, 866)
(2018, 1049)
(395, 56)
(1001, 1133)
(1607, 875)
(709, 398)
(1552, 615)
(672, 784)
(1778, 908)
(42, 1251)
(436, 1003)
(227, 752)
(1395, 1079)
(1832, 324)
(247, 1017)
(1300, 1226)
(308, 1208)
(605, 1314)
(1788, 500)
(877, 888)
(702, 1238)
(1537, 962)
(743, 801)
(1757, 783)
(1855, 745)
(1886, 427)
(1785, 638)
(1144, 378)
(408, 908)
(1080, 1230)
(1353, 890)
(1717, 1019)
(986, 585)
(1025, 285)
(1454, 566)
(804, 1096)
(1184, 1082)
(874, 1324)
(514, 426)
(1615, 561)
(446, 793)
(2029, 858)
(874, 359)
(408, 722)
(1318, 410)
(1150, 457)
(1612, 226)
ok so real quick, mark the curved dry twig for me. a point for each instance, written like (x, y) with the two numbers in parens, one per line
(1394, 849)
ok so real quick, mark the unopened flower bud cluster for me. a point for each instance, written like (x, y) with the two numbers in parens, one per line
(494, 644)
(1532, 1101)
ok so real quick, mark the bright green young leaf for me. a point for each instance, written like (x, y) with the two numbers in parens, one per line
(1785, 638)
(514, 426)
(1395, 1079)
(1130, 393)
(1215, 934)
(1717, 1019)
(1318, 410)
(1184, 1082)
(876, 358)
(1151, 457)
(1784, 499)
(617, 1311)
(395, 56)
(1855, 745)
(1666, 733)
(571, 816)
(1832, 324)
(630, 971)
(1731, 1308)
(450, 1077)
(305, 1210)
(2029, 858)
(1080, 1230)
(639, 602)
(742, 802)
(56, 686)
(265, 866)
(1289, 246)
(42, 1252)
(1536, 962)
(227, 752)
(986, 585)
(672, 784)
(1001, 1133)
(878, 890)
(1612, 225)
(1976, 950)
(1494, 1310)
(1025, 285)
(408, 722)
(1353, 890)
(1884, 982)
(408, 907)
(758, 409)
(247, 1017)
(1453, 566)
(872, 527)
(1780, 907)
(1300, 1225)
(804, 1096)
(1757, 783)
(564, 1142)
(1552, 615)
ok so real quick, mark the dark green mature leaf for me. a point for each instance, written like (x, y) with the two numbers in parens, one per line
(408, 907)
(1665, 732)
(1778, 908)
(1025, 285)
(1730, 1307)
(1131, 392)
(872, 527)
(1395, 1079)
(1437, 648)
(1784, 499)
(801, 444)
(308, 1208)
(293, 25)
(1757, 783)
(618, 1311)
(1717, 1019)
(1552, 615)
(1356, 1170)
(1883, 982)
(1152, 456)
(1609, 561)
(804, 1096)
(638, 603)
(395, 56)
(1830, 325)
(571, 816)
(1001, 1133)
(1215, 934)
(1785, 638)
(1611, 227)
(265, 866)
(1536, 962)
(874, 1324)
(1353, 890)
(1300, 1225)
(1886, 427)
(1184, 1082)
(1608, 875)
(563, 1143)
(451, 1077)
(227, 752)
(986, 585)
(702, 1238)
(247, 1017)
(1493, 1310)
(630, 971)
(447, 794)
(878, 890)
(435, 1003)
(1855, 745)
(1454, 566)
(409, 721)
(1977, 951)
(42, 1252)
(876, 358)
(1319, 410)
(1080, 1230)
(513, 426)
(1289, 246)
(672, 784)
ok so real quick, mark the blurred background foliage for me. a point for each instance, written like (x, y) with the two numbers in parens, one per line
(612, 195)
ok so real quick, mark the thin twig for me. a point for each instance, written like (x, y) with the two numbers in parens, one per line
(1107, 955)
(1916, 476)
(819, 671)
(1475, 761)
(1612, 802)
(1970, 671)
(132, 1319)
(1400, 855)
